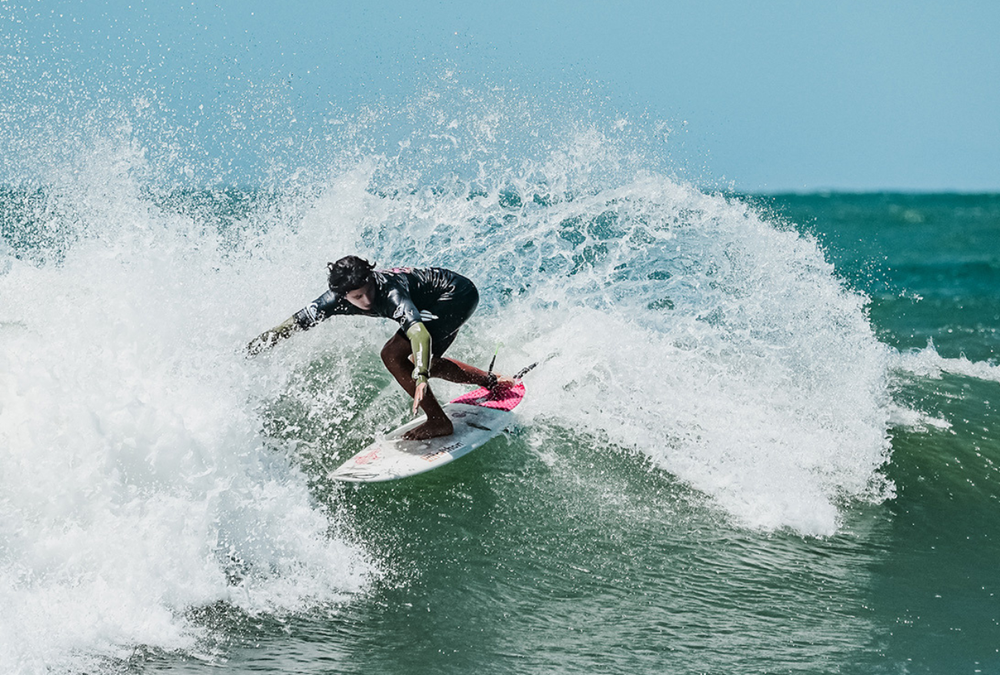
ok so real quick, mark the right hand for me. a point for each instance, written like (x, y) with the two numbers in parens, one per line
(269, 338)
(260, 343)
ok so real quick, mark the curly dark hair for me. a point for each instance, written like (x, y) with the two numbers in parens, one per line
(349, 273)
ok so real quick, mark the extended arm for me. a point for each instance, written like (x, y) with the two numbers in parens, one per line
(322, 307)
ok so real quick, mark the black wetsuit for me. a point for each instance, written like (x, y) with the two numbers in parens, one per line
(443, 300)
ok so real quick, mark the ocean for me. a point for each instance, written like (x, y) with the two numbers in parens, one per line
(760, 439)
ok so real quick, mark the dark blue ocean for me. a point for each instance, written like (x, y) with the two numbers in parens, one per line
(761, 437)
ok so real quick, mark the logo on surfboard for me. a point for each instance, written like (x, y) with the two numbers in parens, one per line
(367, 457)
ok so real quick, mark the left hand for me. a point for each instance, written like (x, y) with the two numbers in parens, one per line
(418, 395)
(505, 383)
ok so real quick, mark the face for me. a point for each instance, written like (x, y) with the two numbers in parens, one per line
(363, 297)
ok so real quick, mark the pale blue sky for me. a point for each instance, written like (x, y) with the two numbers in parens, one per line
(771, 95)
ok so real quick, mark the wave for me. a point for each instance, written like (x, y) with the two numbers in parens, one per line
(135, 481)
(678, 324)
(139, 479)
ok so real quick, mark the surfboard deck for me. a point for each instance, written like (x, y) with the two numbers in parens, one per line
(477, 416)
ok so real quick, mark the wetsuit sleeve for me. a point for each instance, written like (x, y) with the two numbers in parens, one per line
(403, 309)
(420, 343)
(405, 312)
(321, 308)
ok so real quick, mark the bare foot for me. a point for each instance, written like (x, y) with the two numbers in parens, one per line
(430, 429)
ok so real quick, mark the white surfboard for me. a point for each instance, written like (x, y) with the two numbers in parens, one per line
(477, 416)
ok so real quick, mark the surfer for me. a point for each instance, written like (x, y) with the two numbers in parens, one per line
(430, 304)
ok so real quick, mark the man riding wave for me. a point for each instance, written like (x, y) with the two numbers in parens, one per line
(430, 304)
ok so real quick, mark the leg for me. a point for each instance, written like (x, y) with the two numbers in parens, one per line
(458, 372)
(455, 371)
(396, 357)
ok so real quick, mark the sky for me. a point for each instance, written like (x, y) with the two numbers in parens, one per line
(764, 96)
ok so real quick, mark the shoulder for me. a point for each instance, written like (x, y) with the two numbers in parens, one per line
(387, 281)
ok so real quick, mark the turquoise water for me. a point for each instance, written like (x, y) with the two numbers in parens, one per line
(761, 437)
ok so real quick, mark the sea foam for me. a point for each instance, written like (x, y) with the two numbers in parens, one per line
(134, 481)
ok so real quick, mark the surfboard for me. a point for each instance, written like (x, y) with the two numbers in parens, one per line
(477, 416)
